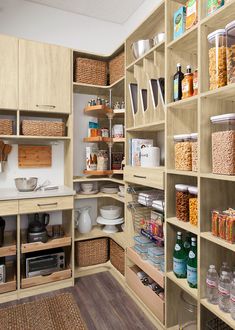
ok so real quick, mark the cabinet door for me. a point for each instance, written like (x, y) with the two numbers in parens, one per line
(44, 77)
(8, 72)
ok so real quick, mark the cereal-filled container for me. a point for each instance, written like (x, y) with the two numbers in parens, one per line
(194, 139)
(183, 152)
(182, 202)
(223, 144)
(230, 33)
(193, 205)
(217, 59)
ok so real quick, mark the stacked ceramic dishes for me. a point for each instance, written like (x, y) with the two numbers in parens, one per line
(110, 217)
(109, 189)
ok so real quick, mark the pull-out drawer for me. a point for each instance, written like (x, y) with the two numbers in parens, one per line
(8, 207)
(151, 177)
(146, 294)
(45, 204)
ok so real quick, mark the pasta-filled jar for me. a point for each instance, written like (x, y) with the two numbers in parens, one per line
(182, 202)
(230, 33)
(217, 59)
(194, 137)
(193, 205)
(183, 152)
(223, 144)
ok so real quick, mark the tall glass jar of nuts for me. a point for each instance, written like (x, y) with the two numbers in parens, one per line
(217, 59)
(182, 202)
(193, 205)
(183, 152)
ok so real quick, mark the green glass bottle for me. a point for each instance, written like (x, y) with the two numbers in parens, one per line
(192, 264)
(187, 243)
(179, 258)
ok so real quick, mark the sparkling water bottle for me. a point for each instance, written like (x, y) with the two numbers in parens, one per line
(212, 285)
(225, 268)
(232, 298)
(224, 291)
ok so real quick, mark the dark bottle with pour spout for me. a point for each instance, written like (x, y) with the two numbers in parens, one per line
(178, 78)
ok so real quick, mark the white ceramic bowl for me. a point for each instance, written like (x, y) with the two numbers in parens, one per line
(87, 187)
(110, 212)
(122, 189)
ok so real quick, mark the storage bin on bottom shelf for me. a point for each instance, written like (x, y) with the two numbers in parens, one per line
(117, 256)
(145, 293)
(92, 252)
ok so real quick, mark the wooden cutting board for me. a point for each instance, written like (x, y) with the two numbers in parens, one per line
(34, 156)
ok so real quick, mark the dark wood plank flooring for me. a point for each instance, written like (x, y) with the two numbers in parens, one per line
(103, 304)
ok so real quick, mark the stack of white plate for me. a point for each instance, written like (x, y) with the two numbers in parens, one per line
(109, 189)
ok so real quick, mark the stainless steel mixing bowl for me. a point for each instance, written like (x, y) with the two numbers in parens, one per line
(26, 184)
(140, 47)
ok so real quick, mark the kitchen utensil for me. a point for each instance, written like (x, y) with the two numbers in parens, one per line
(43, 185)
(160, 37)
(2, 228)
(140, 47)
(57, 231)
(26, 184)
(83, 220)
(110, 212)
(87, 187)
(37, 229)
(110, 225)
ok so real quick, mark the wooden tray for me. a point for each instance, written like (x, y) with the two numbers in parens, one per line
(51, 244)
(39, 280)
(98, 173)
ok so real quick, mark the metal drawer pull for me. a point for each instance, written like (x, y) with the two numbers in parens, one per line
(139, 176)
(48, 204)
(46, 106)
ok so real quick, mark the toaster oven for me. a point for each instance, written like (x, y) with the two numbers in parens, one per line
(44, 262)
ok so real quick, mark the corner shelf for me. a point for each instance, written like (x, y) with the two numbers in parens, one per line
(92, 179)
(98, 172)
(183, 284)
(100, 195)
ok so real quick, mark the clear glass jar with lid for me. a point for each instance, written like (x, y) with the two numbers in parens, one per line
(194, 138)
(217, 59)
(223, 144)
(193, 205)
(230, 33)
(187, 317)
(182, 202)
(183, 152)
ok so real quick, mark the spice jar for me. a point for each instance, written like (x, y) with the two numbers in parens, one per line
(104, 132)
(102, 160)
(193, 205)
(187, 84)
(182, 202)
(223, 144)
(195, 82)
(217, 59)
(230, 33)
(194, 137)
(183, 152)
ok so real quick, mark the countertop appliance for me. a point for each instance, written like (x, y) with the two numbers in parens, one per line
(44, 262)
(37, 229)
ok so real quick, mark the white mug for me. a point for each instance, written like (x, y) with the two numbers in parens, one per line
(150, 157)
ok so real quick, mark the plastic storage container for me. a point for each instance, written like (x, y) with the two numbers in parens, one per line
(193, 205)
(156, 254)
(194, 137)
(188, 312)
(143, 252)
(217, 59)
(230, 33)
(143, 242)
(183, 152)
(223, 144)
(182, 202)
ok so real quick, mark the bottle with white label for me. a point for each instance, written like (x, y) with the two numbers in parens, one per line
(192, 264)
(232, 299)
(212, 285)
(179, 258)
(224, 291)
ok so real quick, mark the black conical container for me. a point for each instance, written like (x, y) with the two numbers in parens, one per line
(2, 228)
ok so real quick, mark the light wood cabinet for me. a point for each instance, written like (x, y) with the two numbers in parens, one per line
(8, 72)
(44, 77)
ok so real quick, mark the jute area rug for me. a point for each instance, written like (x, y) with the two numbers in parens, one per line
(59, 312)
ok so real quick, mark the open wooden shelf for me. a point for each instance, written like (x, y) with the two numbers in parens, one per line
(34, 138)
(92, 179)
(39, 280)
(183, 284)
(100, 195)
(223, 93)
(208, 236)
(51, 244)
(10, 284)
(177, 172)
(218, 176)
(103, 139)
(98, 111)
(183, 225)
(9, 247)
(220, 17)
(152, 127)
(98, 172)
(149, 269)
(186, 103)
(186, 39)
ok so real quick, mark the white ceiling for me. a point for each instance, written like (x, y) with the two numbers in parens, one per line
(116, 11)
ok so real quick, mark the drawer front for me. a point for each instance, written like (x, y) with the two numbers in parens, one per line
(152, 177)
(8, 208)
(45, 204)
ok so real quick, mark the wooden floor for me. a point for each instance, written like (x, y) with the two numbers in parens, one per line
(103, 303)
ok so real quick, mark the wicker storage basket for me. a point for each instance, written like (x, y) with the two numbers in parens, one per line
(117, 68)
(117, 256)
(90, 71)
(43, 128)
(92, 252)
(6, 127)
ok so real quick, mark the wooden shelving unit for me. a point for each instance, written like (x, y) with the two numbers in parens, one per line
(100, 195)
(51, 244)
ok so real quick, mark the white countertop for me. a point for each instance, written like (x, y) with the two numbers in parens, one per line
(13, 193)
